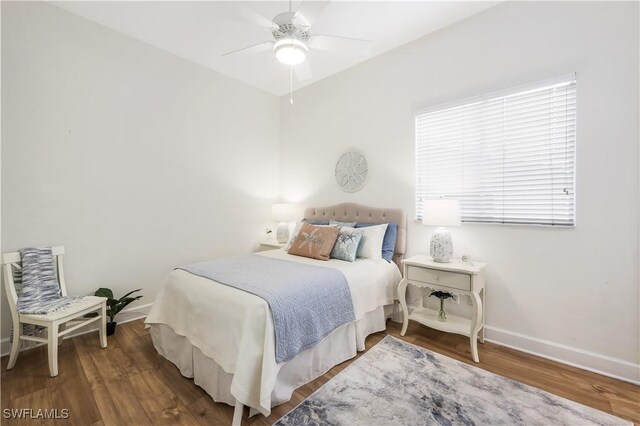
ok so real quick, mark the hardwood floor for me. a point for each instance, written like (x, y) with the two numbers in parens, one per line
(128, 383)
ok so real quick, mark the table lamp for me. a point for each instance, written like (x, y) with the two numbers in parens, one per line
(283, 213)
(441, 213)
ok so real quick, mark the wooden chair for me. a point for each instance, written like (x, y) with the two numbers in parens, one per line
(69, 318)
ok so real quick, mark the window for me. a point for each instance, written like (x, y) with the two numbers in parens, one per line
(508, 157)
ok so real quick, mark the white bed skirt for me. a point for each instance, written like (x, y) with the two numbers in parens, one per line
(341, 345)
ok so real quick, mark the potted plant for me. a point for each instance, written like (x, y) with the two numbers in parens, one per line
(115, 305)
(442, 295)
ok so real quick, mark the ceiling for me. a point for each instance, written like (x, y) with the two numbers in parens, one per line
(203, 31)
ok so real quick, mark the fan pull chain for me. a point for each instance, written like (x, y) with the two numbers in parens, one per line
(291, 85)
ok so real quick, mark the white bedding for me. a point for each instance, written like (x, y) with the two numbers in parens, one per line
(235, 328)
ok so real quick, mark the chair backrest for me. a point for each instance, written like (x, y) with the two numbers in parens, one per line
(12, 262)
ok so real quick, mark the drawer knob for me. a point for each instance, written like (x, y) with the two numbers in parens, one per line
(435, 277)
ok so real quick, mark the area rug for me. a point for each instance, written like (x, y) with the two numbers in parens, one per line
(398, 383)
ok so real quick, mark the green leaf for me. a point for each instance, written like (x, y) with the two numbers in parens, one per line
(104, 292)
(114, 306)
(123, 297)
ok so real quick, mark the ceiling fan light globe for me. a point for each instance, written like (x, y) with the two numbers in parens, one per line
(290, 56)
(290, 51)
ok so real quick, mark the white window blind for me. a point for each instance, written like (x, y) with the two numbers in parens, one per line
(508, 157)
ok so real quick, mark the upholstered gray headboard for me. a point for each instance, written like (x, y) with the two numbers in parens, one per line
(351, 212)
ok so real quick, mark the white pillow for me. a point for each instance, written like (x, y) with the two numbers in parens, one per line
(371, 243)
(293, 235)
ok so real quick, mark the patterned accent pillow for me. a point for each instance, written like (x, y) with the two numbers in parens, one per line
(315, 242)
(346, 245)
(296, 229)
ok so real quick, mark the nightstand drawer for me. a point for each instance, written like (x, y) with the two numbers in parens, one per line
(445, 279)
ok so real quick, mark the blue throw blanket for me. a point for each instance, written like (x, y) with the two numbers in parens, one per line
(39, 291)
(307, 302)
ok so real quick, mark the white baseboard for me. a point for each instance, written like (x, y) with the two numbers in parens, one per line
(591, 361)
(126, 315)
(586, 360)
(134, 313)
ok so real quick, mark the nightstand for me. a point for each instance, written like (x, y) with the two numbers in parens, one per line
(270, 245)
(456, 277)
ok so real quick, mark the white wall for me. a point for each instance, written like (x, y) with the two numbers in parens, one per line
(135, 160)
(138, 161)
(570, 294)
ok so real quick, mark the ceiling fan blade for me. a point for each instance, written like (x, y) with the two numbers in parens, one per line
(254, 48)
(258, 19)
(308, 12)
(303, 71)
(350, 45)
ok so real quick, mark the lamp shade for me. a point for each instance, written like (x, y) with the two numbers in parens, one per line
(283, 212)
(441, 212)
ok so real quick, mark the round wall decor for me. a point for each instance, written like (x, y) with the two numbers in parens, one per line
(352, 170)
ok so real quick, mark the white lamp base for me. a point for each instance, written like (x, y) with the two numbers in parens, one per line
(441, 246)
(282, 234)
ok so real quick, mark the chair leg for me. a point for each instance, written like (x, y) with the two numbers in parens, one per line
(102, 331)
(52, 348)
(62, 328)
(15, 346)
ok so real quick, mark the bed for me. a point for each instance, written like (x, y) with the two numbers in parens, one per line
(223, 337)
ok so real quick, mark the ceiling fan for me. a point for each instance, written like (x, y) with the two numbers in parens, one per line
(292, 37)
